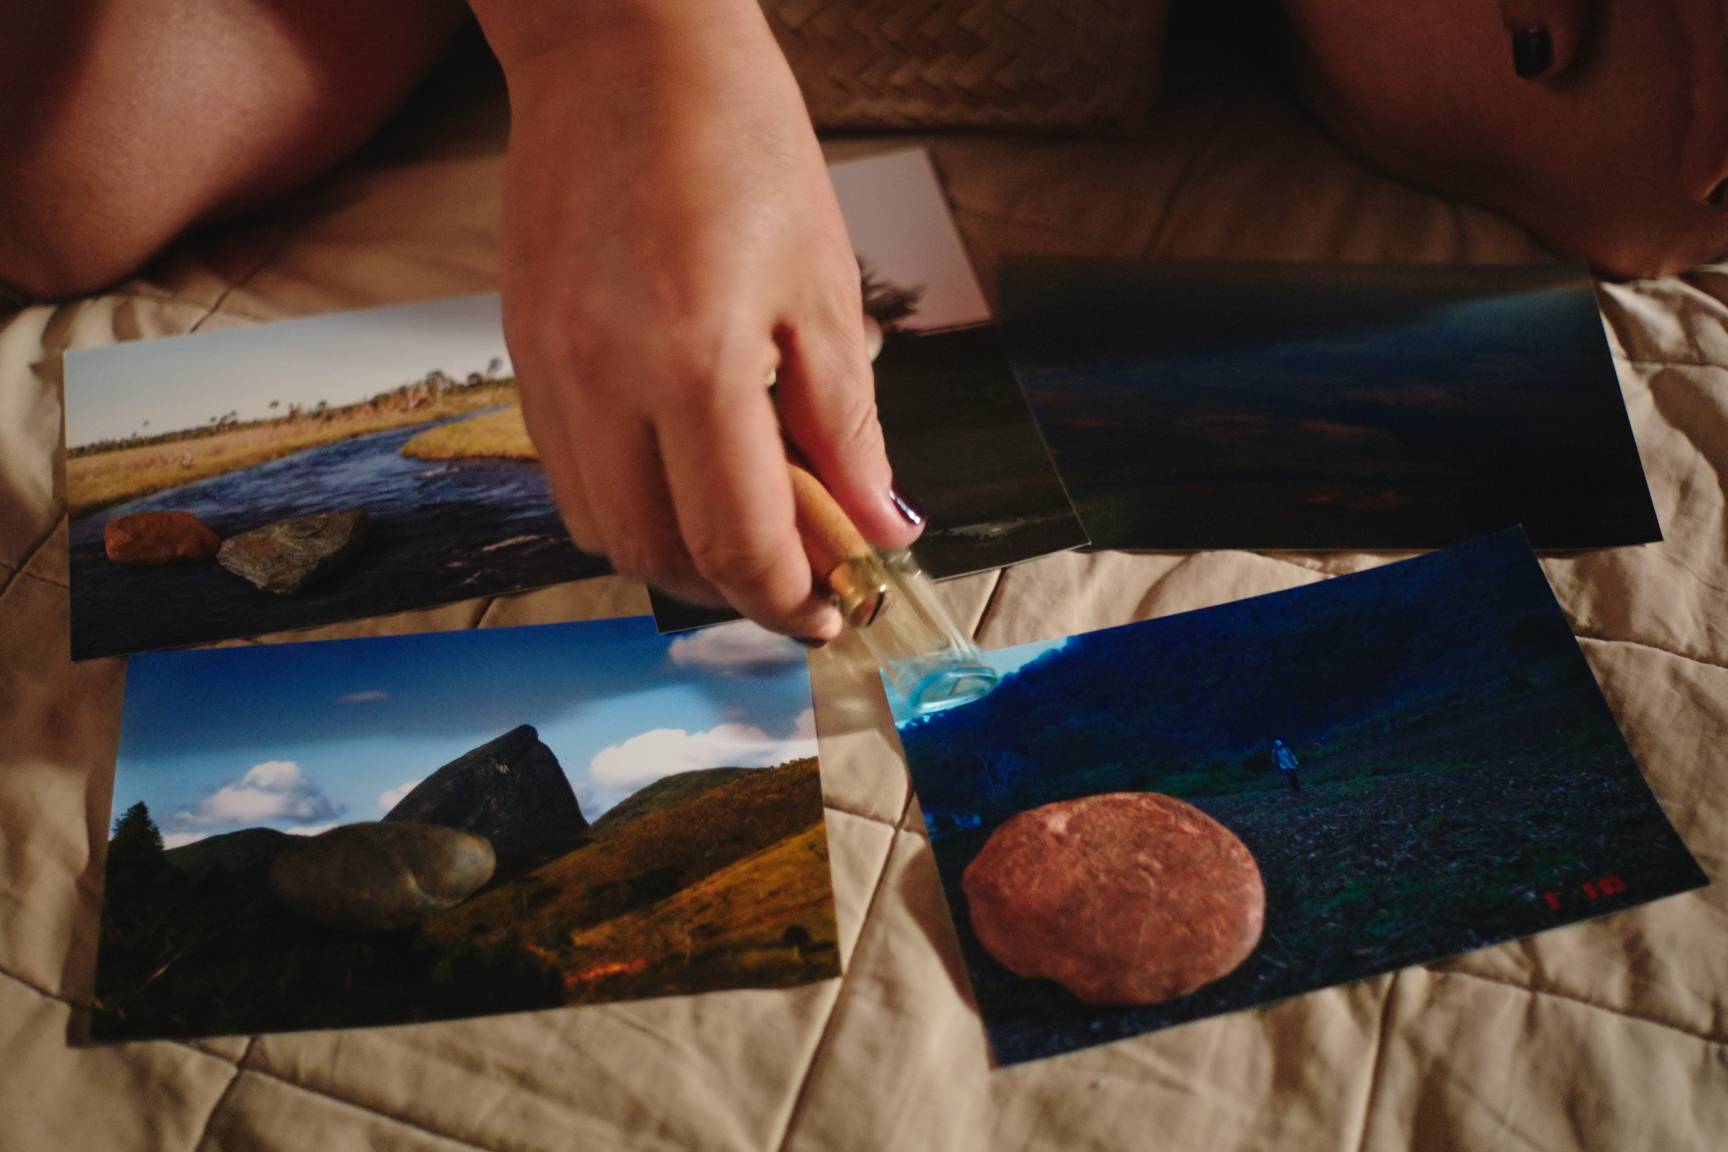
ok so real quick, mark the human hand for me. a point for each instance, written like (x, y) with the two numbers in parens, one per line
(671, 242)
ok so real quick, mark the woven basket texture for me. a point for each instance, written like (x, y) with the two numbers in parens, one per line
(1087, 66)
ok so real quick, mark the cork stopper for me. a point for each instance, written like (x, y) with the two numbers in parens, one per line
(841, 560)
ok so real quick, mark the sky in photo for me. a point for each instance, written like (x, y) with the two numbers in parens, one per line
(174, 382)
(301, 736)
(899, 223)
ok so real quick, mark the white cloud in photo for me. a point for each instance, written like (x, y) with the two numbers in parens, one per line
(394, 796)
(275, 790)
(650, 755)
(373, 696)
(739, 648)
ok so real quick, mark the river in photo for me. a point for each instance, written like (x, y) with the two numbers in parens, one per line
(440, 530)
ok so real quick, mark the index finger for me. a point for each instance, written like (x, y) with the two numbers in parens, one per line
(726, 470)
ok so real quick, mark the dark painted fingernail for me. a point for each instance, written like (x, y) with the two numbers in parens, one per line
(810, 641)
(1718, 195)
(906, 508)
(1532, 52)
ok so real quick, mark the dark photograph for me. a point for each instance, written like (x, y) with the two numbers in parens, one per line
(1219, 404)
(1206, 812)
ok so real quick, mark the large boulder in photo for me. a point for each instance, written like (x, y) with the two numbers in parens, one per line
(159, 538)
(376, 877)
(511, 790)
(1124, 898)
(287, 556)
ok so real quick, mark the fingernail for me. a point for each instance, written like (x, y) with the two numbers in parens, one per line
(905, 507)
(810, 641)
(1718, 195)
(1532, 52)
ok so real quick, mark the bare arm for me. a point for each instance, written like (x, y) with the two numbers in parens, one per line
(670, 238)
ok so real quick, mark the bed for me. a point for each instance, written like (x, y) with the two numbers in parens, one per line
(1612, 1034)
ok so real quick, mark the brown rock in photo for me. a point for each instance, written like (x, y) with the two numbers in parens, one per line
(375, 877)
(159, 538)
(287, 556)
(1124, 898)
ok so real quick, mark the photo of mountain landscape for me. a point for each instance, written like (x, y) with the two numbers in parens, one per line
(1377, 770)
(378, 831)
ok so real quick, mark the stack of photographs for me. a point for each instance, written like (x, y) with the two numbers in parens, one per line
(298, 474)
(1139, 827)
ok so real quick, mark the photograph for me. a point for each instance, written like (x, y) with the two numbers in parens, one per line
(300, 473)
(962, 442)
(1210, 811)
(304, 472)
(348, 833)
(1233, 404)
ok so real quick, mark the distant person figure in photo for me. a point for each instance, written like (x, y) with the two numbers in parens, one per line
(1286, 763)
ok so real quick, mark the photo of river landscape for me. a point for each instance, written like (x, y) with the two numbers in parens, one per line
(440, 530)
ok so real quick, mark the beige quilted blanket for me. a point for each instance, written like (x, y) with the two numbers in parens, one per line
(1608, 1035)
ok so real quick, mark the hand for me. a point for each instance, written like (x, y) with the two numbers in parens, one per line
(670, 242)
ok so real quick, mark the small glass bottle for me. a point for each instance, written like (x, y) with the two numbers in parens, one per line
(928, 664)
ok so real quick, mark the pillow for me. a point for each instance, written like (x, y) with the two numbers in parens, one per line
(1082, 66)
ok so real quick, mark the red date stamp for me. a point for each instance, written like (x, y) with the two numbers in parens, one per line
(1593, 889)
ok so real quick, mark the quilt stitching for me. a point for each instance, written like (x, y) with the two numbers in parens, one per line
(35, 551)
(989, 604)
(1380, 1043)
(331, 1096)
(269, 255)
(831, 1023)
(227, 1090)
(45, 993)
(1699, 660)
(857, 815)
(1679, 1029)
(1190, 174)
(11, 576)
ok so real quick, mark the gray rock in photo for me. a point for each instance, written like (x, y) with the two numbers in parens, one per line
(287, 556)
(376, 877)
(511, 790)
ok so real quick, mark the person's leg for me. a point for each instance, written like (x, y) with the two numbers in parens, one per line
(129, 120)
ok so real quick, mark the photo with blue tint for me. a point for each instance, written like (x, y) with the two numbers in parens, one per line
(1192, 815)
(400, 828)
(1224, 404)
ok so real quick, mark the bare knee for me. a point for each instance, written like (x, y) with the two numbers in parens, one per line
(62, 237)
(130, 120)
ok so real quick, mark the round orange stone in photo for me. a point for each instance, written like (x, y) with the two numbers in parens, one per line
(1125, 898)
